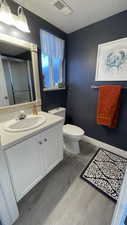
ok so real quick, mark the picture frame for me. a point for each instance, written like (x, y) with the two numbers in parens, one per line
(112, 61)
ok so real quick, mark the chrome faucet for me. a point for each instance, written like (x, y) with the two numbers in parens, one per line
(22, 115)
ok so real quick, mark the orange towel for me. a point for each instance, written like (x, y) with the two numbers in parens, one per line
(108, 105)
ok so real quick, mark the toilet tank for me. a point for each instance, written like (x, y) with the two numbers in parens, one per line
(60, 111)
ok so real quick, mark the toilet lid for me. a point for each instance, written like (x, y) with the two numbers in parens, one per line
(72, 130)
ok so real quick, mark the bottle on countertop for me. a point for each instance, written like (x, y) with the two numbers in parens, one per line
(34, 109)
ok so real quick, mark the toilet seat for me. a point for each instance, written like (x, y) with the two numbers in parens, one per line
(72, 131)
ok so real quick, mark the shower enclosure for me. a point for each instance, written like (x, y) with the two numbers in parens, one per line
(16, 84)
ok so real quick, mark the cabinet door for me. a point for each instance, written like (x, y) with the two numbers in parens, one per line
(26, 165)
(8, 207)
(53, 146)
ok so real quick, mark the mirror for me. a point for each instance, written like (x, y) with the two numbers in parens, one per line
(16, 75)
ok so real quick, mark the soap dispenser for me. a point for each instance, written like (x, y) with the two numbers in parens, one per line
(34, 109)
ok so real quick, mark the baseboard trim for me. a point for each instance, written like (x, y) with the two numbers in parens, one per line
(108, 147)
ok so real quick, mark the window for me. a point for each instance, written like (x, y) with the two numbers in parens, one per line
(53, 72)
(52, 56)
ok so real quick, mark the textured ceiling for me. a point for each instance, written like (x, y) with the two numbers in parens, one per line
(85, 12)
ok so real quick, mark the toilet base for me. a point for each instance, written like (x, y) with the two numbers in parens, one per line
(71, 146)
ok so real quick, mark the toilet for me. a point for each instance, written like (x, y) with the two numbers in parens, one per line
(72, 134)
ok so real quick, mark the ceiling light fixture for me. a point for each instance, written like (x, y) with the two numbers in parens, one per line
(5, 13)
(19, 21)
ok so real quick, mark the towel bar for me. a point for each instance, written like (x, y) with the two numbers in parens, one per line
(96, 87)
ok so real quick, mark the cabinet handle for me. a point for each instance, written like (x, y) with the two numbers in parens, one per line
(40, 142)
(45, 139)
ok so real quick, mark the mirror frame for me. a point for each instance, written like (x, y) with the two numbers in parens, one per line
(33, 49)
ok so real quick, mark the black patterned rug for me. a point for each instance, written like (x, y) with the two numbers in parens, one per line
(105, 172)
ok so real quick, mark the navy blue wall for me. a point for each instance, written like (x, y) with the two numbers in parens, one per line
(81, 65)
(81, 99)
(36, 23)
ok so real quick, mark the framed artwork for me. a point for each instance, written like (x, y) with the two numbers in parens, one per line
(112, 61)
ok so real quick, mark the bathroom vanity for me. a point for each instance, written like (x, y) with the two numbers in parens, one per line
(32, 154)
(31, 148)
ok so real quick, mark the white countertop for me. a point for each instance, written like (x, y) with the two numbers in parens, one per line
(9, 139)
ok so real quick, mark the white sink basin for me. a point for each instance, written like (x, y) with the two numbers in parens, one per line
(29, 123)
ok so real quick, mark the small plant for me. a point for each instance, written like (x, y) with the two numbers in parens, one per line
(61, 85)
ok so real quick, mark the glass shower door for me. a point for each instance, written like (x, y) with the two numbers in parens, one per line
(20, 81)
(4, 101)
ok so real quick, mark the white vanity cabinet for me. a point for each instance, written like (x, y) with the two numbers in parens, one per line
(52, 141)
(32, 159)
(26, 165)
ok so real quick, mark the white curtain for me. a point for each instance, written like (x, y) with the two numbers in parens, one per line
(51, 45)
